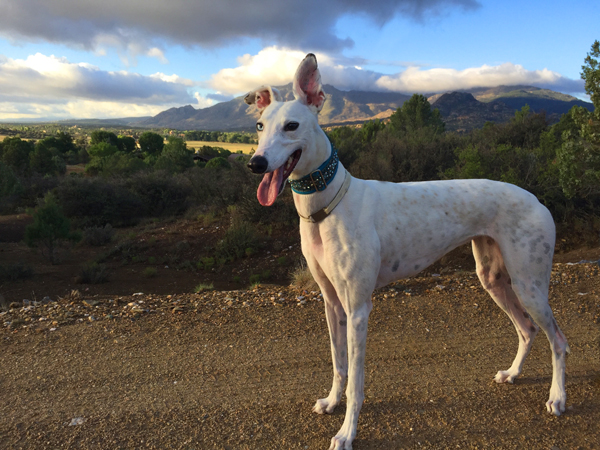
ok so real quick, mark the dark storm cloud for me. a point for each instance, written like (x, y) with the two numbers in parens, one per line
(142, 24)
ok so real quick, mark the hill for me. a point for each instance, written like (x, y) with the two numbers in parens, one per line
(463, 110)
(340, 107)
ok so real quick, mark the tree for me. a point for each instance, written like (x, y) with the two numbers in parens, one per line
(15, 153)
(152, 144)
(100, 136)
(41, 160)
(128, 144)
(175, 157)
(49, 228)
(579, 156)
(415, 114)
(591, 74)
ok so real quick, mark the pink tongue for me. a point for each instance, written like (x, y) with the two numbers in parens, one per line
(269, 187)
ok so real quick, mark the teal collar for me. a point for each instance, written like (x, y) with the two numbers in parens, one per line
(319, 179)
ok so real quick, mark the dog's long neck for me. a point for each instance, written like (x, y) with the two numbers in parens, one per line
(307, 204)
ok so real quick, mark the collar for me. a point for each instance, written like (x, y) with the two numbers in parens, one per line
(319, 179)
(324, 212)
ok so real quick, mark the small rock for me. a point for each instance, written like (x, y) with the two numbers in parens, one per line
(76, 421)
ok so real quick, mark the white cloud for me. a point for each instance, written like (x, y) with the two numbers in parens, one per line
(277, 66)
(203, 102)
(51, 86)
(415, 79)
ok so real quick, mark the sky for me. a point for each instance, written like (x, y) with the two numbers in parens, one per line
(62, 59)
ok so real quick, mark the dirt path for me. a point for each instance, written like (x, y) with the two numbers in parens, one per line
(241, 370)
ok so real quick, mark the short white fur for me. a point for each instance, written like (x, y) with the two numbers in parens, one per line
(381, 232)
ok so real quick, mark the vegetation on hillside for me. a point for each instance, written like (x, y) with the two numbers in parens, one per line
(132, 177)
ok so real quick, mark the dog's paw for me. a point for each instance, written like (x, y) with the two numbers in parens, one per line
(324, 406)
(505, 376)
(556, 404)
(340, 443)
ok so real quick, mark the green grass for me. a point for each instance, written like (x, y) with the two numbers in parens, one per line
(150, 272)
(203, 287)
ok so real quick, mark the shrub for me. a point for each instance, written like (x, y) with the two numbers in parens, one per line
(206, 263)
(303, 279)
(98, 236)
(15, 272)
(160, 193)
(96, 202)
(175, 156)
(94, 273)
(49, 228)
(257, 278)
(203, 287)
(238, 238)
(218, 163)
(149, 272)
(10, 188)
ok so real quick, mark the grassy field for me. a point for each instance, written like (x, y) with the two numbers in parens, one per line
(245, 148)
(233, 148)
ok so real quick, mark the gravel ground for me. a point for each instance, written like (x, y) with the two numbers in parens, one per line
(242, 369)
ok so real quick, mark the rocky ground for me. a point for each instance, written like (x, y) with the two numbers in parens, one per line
(241, 370)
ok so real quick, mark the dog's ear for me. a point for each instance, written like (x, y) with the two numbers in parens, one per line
(262, 97)
(307, 83)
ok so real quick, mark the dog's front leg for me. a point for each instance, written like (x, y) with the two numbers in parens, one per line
(337, 323)
(357, 342)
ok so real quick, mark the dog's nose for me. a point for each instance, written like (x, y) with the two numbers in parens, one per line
(258, 164)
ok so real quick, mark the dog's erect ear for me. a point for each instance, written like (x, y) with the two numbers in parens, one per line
(307, 83)
(263, 96)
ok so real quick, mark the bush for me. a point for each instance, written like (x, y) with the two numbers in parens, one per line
(218, 163)
(150, 272)
(203, 287)
(15, 272)
(238, 238)
(303, 279)
(96, 202)
(160, 194)
(175, 156)
(10, 189)
(94, 273)
(98, 236)
(49, 228)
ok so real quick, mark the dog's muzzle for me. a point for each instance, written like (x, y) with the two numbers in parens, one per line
(258, 164)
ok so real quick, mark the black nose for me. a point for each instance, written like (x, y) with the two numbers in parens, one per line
(258, 164)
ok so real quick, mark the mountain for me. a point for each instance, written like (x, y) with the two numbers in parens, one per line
(341, 107)
(122, 121)
(465, 110)
(461, 110)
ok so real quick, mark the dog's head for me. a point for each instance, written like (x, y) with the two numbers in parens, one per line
(286, 130)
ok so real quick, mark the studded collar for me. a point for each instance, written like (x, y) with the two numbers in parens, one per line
(319, 179)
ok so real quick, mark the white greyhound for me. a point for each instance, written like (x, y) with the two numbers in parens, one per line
(360, 235)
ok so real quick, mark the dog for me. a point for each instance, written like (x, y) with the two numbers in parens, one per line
(359, 235)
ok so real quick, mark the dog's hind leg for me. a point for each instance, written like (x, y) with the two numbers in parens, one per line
(529, 264)
(337, 324)
(495, 279)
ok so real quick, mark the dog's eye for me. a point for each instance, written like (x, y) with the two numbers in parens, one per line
(259, 126)
(291, 126)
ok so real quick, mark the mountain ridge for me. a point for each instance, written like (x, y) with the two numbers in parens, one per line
(461, 110)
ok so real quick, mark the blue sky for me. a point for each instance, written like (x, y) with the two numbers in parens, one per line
(81, 58)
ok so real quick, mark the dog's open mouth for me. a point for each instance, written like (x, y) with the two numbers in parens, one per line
(273, 182)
